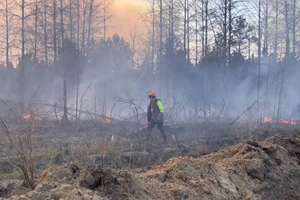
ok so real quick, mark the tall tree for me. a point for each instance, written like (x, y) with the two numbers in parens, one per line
(90, 26)
(160, 44)
(71, 19)
(54, 32)
(294, 26)
(36, 11)
(259, 57)
(45, 34)
(6, 17)
(62, 23)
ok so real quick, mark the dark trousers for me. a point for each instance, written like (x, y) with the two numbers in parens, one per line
(160, 126)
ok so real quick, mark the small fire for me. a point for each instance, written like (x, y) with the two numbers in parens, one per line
(106, 119)
(268, 120)
(293, 122)
(283, 121)
(26, 116)
(34, 117)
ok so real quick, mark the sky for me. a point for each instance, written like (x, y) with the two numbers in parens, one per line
(125, 15)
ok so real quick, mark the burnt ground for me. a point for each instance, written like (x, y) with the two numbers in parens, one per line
(119, 150)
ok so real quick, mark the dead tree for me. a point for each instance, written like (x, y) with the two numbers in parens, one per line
(36, 30)
(188, 30)
(160, 45)
(84, 7)
(45, 34)
(265, 53)
(275, 53)
(6, 16)
(62, 23)
(230, 18)
(71, 20)
(153, 35)
(78, 24)
(206, 28)
(90, 20)
(23, 28)
(184, 25)
(294, 26)
(259, 57)
(287, 55)
(54, 32)
(196, 33)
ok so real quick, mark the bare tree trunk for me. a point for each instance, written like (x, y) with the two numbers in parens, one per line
(169, 21)
(276, 32)
(62, 24)
(230, 31)
(95, 97)
(45, 35)
(54, 32)
(35, 32)
(172, 46)
(105, 70)
(71, 20)
(266, 30)
(184, 26)
(153, 35)
(77, 91)
(225, 29)
(287, 28)
(294, 28)
(188, 29)
(267, 89)
(104, 21)
(266, 46)
(160, 46)
(202, 29)
(206, 28)
(22, 78)
(259, 57)
(275, 57)
(65, 116)
(287, 54)
(23, 28)
(83, 32)
(90, 26)
(78, 24)
(7, 34)
(196, 34)
(205, 49)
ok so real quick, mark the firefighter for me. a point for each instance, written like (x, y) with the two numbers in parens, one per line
(155, 114)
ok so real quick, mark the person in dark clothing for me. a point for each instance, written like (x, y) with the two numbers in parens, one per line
(155, 115)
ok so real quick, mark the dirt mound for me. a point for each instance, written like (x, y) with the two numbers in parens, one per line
(249, 170)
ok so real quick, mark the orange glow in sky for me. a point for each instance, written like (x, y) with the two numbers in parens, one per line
(125, 15)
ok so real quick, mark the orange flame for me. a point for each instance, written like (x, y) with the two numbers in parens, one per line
(293, 122)
(26, 116)
(268, 120)
(283, 121)
(106, 119)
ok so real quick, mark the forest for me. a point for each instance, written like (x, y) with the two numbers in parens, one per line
(206, 58)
